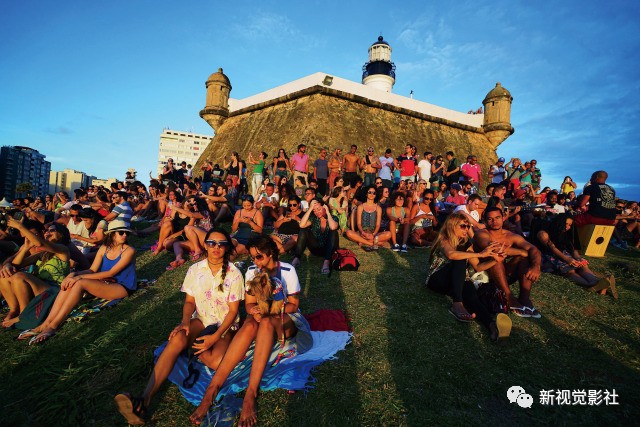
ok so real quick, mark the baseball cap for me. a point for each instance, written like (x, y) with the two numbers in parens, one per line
(456, 186)
(501, 159)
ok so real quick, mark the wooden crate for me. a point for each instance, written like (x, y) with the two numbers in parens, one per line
(595, 239)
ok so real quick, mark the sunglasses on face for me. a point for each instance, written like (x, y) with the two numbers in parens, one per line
(464, 226)
(293, 205)
(428, 199)
(217, 243)
(371, 192)
(258, 257)
(73, 216)
(122, 233)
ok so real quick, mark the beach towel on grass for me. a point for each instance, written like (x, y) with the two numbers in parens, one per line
(95, 305)
(292, 372)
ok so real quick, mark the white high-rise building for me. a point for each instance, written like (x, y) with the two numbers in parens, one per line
(181, 146)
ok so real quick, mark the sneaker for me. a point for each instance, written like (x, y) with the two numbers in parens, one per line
(404, 249)
(396, 248)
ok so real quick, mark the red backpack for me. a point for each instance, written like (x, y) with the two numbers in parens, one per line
(344, 260)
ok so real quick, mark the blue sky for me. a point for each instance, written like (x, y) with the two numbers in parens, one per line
(92, 84)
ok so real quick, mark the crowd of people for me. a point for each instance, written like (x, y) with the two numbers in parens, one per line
(56, 249)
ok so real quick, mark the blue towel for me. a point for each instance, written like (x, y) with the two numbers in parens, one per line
(293, 372)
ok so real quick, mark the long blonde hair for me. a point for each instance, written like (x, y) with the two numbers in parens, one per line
(448, 233)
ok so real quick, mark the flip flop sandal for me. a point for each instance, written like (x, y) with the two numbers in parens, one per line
(45, 336)
(132, 408)
(27, 334)
(196, 257)
(520, 311)
(172, 266)
(461, 317)
(533, 312)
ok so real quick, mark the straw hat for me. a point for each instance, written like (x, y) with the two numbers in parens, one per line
(118, 225)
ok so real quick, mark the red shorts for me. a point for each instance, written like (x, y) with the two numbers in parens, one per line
(586, 219)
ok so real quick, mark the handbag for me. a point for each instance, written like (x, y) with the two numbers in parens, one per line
(493, 298)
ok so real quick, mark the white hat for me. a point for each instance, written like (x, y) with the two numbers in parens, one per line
(118, 225)
(5, 204)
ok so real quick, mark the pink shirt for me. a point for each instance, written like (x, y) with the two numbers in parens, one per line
(458, 200)
(472, 170)
(300, 162)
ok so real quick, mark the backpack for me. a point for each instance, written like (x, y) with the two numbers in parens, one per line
(344, 260)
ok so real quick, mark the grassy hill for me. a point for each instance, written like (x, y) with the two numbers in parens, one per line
(410, 362)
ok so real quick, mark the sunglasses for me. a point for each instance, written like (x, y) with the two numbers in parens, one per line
(428, 199)
(293, 205)
(464, 226)
(258, 257)
(217, 243)
(122, 233)
(371, 192)
(73, 216)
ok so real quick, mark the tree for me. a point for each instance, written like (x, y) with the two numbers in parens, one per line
(24, 188)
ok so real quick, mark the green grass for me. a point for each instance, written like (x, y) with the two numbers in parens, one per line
(410, 362)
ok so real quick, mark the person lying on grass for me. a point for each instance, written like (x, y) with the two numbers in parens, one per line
(111, 276)
(51, 265)
(263, 329)
(214, 288)
(560, 256)
(522, 264)
(448, 269)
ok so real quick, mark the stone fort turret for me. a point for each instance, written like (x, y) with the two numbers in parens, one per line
(497, 115)
(216, 109)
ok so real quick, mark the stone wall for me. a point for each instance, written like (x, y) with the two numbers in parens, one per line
(323, 118)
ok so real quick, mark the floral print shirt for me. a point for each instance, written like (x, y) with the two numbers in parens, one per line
(212, 305)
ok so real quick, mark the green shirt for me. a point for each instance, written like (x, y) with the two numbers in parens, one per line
(259, 168)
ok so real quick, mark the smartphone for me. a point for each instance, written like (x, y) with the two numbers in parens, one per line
(18, 216)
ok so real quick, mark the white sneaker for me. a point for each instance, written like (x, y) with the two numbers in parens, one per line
(396, 248)
(404, 249)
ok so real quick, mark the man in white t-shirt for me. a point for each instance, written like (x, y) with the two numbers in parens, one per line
(424, 168)
(470, 209)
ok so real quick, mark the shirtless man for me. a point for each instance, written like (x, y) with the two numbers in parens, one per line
(351, 165)
(335, 167)
(522, 262)
(371, 165)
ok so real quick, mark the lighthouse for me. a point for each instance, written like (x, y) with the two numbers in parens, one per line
(379, 72)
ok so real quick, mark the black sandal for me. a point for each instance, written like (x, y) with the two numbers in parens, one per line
(132, 408)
